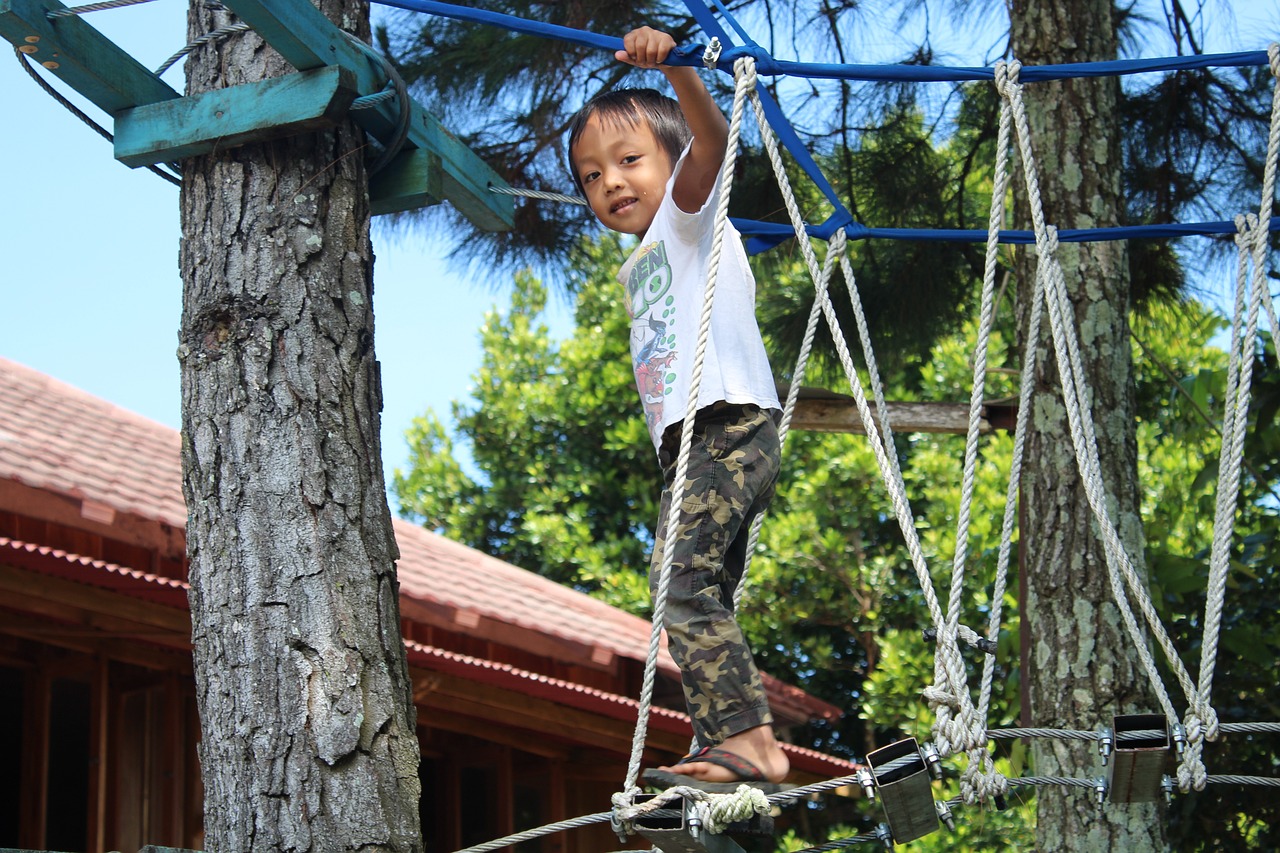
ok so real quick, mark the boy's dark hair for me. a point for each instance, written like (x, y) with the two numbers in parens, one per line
(629, 107)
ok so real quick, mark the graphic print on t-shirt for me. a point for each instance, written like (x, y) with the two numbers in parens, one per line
(651, 306)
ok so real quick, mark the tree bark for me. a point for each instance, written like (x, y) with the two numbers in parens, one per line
(1083, 666)
(306, 708)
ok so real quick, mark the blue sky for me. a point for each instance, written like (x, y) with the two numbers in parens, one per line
(90, 283)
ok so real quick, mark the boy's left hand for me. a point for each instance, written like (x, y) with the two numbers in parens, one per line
(645, 47)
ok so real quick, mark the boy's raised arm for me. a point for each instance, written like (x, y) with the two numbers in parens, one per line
(646, 47)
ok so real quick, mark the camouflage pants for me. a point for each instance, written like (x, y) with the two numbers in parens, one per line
(733, 465)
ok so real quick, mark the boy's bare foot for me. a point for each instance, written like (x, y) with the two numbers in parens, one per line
(757, 747)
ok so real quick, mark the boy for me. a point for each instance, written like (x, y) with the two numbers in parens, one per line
(650, 166)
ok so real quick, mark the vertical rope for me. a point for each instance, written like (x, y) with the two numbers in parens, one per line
(953, 692)
(1252, 242)
(980, 779)
(745, 77)
(1075, 399)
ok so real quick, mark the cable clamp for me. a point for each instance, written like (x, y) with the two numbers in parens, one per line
(944, 814)
(1105, 743)
(711, 55)
(932, 759)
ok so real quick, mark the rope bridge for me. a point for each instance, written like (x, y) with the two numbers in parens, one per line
(960, 724)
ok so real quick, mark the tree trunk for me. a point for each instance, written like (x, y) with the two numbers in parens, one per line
(1083, 669)
(309, 738)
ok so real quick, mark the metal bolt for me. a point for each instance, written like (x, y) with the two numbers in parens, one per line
(932, 760)
(944, 814)
(867, 782)
(1105, 742)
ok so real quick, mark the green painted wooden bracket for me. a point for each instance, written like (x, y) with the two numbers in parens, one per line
(307, 39)
(225, 118)
(81, 56)
(414, 179)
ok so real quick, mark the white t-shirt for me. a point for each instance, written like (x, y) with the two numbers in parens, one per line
(665, 278)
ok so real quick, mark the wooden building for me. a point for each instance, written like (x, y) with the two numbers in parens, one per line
(524, 688)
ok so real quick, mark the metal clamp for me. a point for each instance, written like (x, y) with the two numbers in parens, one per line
(1105, 744)
(1143, 750)
(944, 814)
(931, 759)
(868, 782)
(1100, 792)
(903, 781)
(711, 55)
(885, 834)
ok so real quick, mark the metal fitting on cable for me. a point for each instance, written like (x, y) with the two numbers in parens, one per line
(711, 55)
(619, 828)
(944, 814)
(1105, 743)
(932, 759)
(1179, 735)
(885, 835)
(1100, 792)
(693, 820)
(1166, 784)
(868, 783)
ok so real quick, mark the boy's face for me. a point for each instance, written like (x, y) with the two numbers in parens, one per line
(624, 172)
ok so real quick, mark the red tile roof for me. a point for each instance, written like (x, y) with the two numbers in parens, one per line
(60, 439)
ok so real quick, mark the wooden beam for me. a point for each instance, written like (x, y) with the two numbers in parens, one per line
(226, 118)
(456, 695)
(88, 605)
(821, 410)
(413, 179)
(307, 39)
(505, 735)
(79, 55)
(167, 659)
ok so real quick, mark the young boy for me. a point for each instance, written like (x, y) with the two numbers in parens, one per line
(650, 166)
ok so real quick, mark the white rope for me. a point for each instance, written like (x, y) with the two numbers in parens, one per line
(835, 248)
(1075, 399)
(980, 780)
(954, 692)
(1252, 243)
(744, 74)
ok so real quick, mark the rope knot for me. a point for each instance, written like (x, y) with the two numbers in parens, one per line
(837, 242)
(744, 71)
(725, 809)
(1007, 76)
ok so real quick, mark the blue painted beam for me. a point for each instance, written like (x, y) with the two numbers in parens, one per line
(225, 118)
(307, 39)
(81, 56)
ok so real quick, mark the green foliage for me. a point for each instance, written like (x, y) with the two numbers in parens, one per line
(569, 489)
(571, 483)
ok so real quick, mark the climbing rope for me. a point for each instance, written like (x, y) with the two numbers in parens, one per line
(1051, 284)
(879, 432)
(981, 780)
(1252, 244)
(679, 485)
